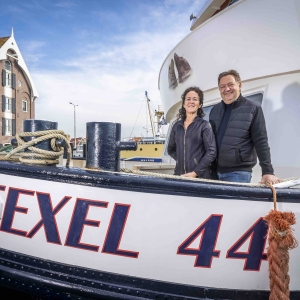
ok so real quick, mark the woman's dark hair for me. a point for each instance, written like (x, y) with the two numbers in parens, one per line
(200, 112)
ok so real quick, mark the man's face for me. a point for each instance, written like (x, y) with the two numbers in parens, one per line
(229, 89)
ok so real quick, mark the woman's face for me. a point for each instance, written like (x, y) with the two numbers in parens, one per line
(191, 102)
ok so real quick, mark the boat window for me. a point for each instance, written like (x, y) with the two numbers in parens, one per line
(257, 98)
(207, 110)
(165, 153)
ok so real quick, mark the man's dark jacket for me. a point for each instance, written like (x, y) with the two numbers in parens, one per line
(193, 149)
(245, 133)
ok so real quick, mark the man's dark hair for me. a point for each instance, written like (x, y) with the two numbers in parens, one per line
(200, 112)
(234, 73)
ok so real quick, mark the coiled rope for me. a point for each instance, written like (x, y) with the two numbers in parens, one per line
(281, 239)
(40, 156)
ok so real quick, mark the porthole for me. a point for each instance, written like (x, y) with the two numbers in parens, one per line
(141, 149)
(155, 149)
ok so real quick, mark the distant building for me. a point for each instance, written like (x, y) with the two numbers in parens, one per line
(17, 90)
(79, 141)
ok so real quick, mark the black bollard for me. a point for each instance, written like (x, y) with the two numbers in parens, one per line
(39, 125)
(104, 146)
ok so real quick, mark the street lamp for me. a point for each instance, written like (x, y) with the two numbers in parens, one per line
(74, 124)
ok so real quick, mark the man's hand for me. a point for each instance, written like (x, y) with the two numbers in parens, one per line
(270, 178)
(191, 174)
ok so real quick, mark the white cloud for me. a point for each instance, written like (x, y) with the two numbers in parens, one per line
(101, 98)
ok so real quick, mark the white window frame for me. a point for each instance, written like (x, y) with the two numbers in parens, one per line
(8, 104)
(26, 104)
(8, 75)
(8, 78)
(8, 127)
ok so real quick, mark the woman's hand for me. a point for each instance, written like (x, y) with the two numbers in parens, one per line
(191, 174)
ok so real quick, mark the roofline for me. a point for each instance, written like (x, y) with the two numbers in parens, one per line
(12, 44)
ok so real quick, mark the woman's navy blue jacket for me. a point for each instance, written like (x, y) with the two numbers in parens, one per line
(193, 149)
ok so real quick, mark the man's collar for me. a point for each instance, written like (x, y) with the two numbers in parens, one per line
(238, 102)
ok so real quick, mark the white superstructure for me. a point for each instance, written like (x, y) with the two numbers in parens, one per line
(261, 40)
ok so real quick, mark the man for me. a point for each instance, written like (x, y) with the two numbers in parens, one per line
(240, 131)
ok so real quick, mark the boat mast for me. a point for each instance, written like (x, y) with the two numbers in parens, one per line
(151, 121)
(159, 113)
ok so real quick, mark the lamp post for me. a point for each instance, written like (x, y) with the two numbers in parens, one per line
(74, 124)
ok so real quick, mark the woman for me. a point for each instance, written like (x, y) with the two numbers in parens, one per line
(192, 142)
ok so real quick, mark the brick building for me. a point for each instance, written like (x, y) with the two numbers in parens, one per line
(17, 90)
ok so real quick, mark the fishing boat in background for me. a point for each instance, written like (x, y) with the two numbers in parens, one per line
(103, 233)
(150, 148)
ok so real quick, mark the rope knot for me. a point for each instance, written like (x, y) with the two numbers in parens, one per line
(40, 156)
(281, 239)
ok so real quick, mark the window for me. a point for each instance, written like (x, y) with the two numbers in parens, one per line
(165, 153)
(8, 78)
(8, 72)
(7, 104)
(8, 65)
(24, 105)
(8, 126)
(257, 98)
(207, 110)
(19, 83)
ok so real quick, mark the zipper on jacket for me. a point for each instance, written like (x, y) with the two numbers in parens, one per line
(184, 151)
(185, 130)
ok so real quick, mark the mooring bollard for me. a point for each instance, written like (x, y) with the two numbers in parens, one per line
(39, 125)
(41, 142)
(104, 146)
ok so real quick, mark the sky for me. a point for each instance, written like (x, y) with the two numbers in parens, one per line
(101, 55)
